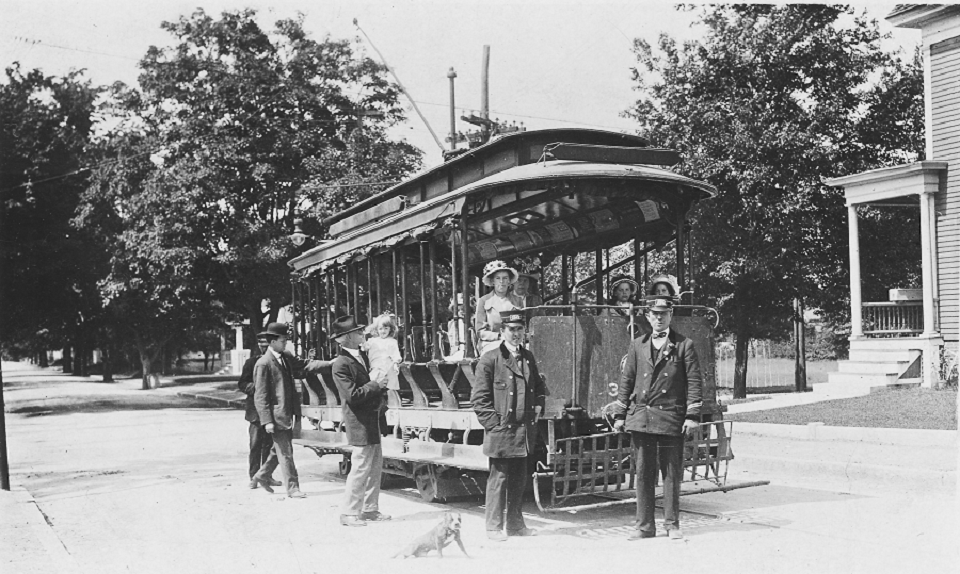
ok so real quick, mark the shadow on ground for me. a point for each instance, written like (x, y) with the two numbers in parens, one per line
(70, 405)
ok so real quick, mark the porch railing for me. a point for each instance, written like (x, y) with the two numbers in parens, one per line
(893, 318)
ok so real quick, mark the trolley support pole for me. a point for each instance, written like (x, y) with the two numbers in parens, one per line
(465, 270)
(434, 318)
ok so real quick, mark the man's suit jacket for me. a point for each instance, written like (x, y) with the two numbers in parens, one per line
(506, 392)
(246, 385)
(275, 395)
(361, 400)
(655, 397)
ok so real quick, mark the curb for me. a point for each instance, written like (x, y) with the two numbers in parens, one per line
(232, 403)
(860, 476)
(819, 431)
(36, 521)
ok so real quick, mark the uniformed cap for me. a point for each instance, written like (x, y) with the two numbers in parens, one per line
(512, 317)
(659, 303)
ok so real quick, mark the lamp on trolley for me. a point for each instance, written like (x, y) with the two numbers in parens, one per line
(298, 237)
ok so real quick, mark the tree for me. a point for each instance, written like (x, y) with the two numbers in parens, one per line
(768, 102)
(232, 132)
(49, 268)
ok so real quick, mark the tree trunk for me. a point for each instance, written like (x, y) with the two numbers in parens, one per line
(256, 324)
(107, 363)
(67, 361)
(740, 368)
(147, 359)
(43, 359)
(78, 351)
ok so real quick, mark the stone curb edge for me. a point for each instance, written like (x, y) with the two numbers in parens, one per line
(233, 403)
(817, 431)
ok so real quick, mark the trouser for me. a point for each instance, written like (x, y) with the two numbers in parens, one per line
(668, 451)
(281, 455)
(261, 443)
(363, 482)
(505, 487)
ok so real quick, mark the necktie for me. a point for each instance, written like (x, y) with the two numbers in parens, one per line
(660, 335)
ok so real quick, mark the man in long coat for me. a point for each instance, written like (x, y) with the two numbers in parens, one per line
(508, 398)
(261, 444)
(659, 402)
(278, 404)
(361, 398)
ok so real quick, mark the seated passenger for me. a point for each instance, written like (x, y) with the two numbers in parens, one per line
(456, 336)
(523, 290)
(623, 290)
(663, 286)
(498, 275)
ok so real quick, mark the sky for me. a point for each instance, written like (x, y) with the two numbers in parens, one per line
(552, 64)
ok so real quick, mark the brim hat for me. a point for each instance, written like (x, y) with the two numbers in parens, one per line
(624, 279)
(493, 267)
(659, 303)
(275, 330)
(668, 280)
(512, 317)
(343, 325)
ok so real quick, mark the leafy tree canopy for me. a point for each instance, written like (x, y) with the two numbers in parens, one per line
(232, 131)
(768, 102)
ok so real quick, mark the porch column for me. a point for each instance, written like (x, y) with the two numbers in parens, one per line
(926, 251)
(856, 298)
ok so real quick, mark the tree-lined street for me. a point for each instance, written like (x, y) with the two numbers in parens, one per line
(127, 485)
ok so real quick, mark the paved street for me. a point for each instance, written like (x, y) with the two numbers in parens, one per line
(109, 478)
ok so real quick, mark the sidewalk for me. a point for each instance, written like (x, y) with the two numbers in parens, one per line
(820, 392)
(27, 543)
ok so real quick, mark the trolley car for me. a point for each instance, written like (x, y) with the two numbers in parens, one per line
(560, 198)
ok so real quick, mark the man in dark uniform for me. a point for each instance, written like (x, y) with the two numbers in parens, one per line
(278, 404)
(362, 398)
(260, 441)
(659, 402)
(508, 398)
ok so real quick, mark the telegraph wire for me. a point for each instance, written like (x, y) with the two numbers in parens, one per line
(35, 42)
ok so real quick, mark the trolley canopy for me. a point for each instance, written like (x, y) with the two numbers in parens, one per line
(550, 204)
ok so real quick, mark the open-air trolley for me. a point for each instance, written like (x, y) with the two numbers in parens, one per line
(559, 202)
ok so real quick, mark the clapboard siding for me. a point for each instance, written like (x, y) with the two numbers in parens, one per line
(945, 98)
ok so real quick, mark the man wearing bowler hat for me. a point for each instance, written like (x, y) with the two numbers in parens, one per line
(508, 398)
(659, 402)
(361, 398)
(278, 404)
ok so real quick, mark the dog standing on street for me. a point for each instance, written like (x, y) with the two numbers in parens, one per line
(438, 537)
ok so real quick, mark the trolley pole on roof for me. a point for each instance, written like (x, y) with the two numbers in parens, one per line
(485, 89)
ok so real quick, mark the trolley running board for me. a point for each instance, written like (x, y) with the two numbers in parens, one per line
(633, 499)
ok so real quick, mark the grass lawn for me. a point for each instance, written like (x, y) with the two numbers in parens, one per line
(904, 409)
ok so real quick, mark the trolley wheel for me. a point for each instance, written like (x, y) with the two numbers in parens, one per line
(426, 479)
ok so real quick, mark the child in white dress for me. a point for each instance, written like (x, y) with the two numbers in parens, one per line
(383, 351)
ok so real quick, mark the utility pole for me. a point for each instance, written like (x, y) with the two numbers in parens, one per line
(800, 341)
(4, 466)
(452, 75)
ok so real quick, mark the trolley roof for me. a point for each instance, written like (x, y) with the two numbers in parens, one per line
(545, 191)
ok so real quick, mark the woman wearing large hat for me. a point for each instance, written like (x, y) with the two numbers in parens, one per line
(663, 286)
(623, 292)
(500, 276)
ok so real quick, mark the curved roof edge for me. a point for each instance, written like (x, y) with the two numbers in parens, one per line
(487, 148)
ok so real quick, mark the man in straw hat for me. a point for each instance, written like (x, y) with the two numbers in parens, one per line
(361, 398)
(278, 404)
(508, 398)
(659, 402)
(500, 276)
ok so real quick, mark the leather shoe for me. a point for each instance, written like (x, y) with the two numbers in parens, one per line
(266, 486)
(272, 481)
(675, 534)
(253, 483)
(351, 520)
(375, 516)
(639, 535)
(496, 535)
(522, 532)
(296, 494)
